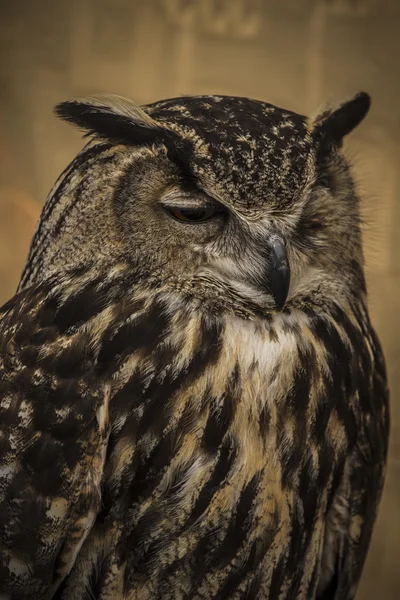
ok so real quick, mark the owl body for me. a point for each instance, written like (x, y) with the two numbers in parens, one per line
(208, 419)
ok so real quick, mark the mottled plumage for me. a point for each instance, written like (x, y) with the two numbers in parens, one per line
(193, 408)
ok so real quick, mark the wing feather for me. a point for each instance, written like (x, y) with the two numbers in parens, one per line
(53, 435)
(348, 532)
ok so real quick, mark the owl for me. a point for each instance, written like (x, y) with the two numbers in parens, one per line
(193, 401)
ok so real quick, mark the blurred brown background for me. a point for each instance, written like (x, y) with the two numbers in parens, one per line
(294, 53)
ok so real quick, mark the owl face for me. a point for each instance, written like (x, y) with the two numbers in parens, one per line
(224, 199)
(193, 240)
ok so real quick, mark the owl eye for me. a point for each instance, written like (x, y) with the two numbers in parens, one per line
(192, 215)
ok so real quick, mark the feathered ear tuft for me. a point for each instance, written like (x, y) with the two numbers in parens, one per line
(111, 117)
(332, 125)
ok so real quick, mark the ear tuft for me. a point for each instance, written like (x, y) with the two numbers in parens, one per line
(110, 117)
(332, 125)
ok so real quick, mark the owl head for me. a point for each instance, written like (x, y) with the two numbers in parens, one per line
(234, 202)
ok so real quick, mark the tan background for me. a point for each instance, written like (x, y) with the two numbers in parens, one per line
(294, 53)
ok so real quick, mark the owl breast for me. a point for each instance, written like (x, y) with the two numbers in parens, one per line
(205, 487)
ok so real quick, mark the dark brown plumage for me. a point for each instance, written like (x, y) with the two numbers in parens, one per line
(193, 402)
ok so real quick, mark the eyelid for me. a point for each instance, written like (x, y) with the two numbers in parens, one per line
(185, 203)
(177, 199)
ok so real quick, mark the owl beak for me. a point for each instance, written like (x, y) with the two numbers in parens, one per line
(279, 272)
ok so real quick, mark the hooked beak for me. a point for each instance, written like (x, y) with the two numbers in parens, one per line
(279, 272)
